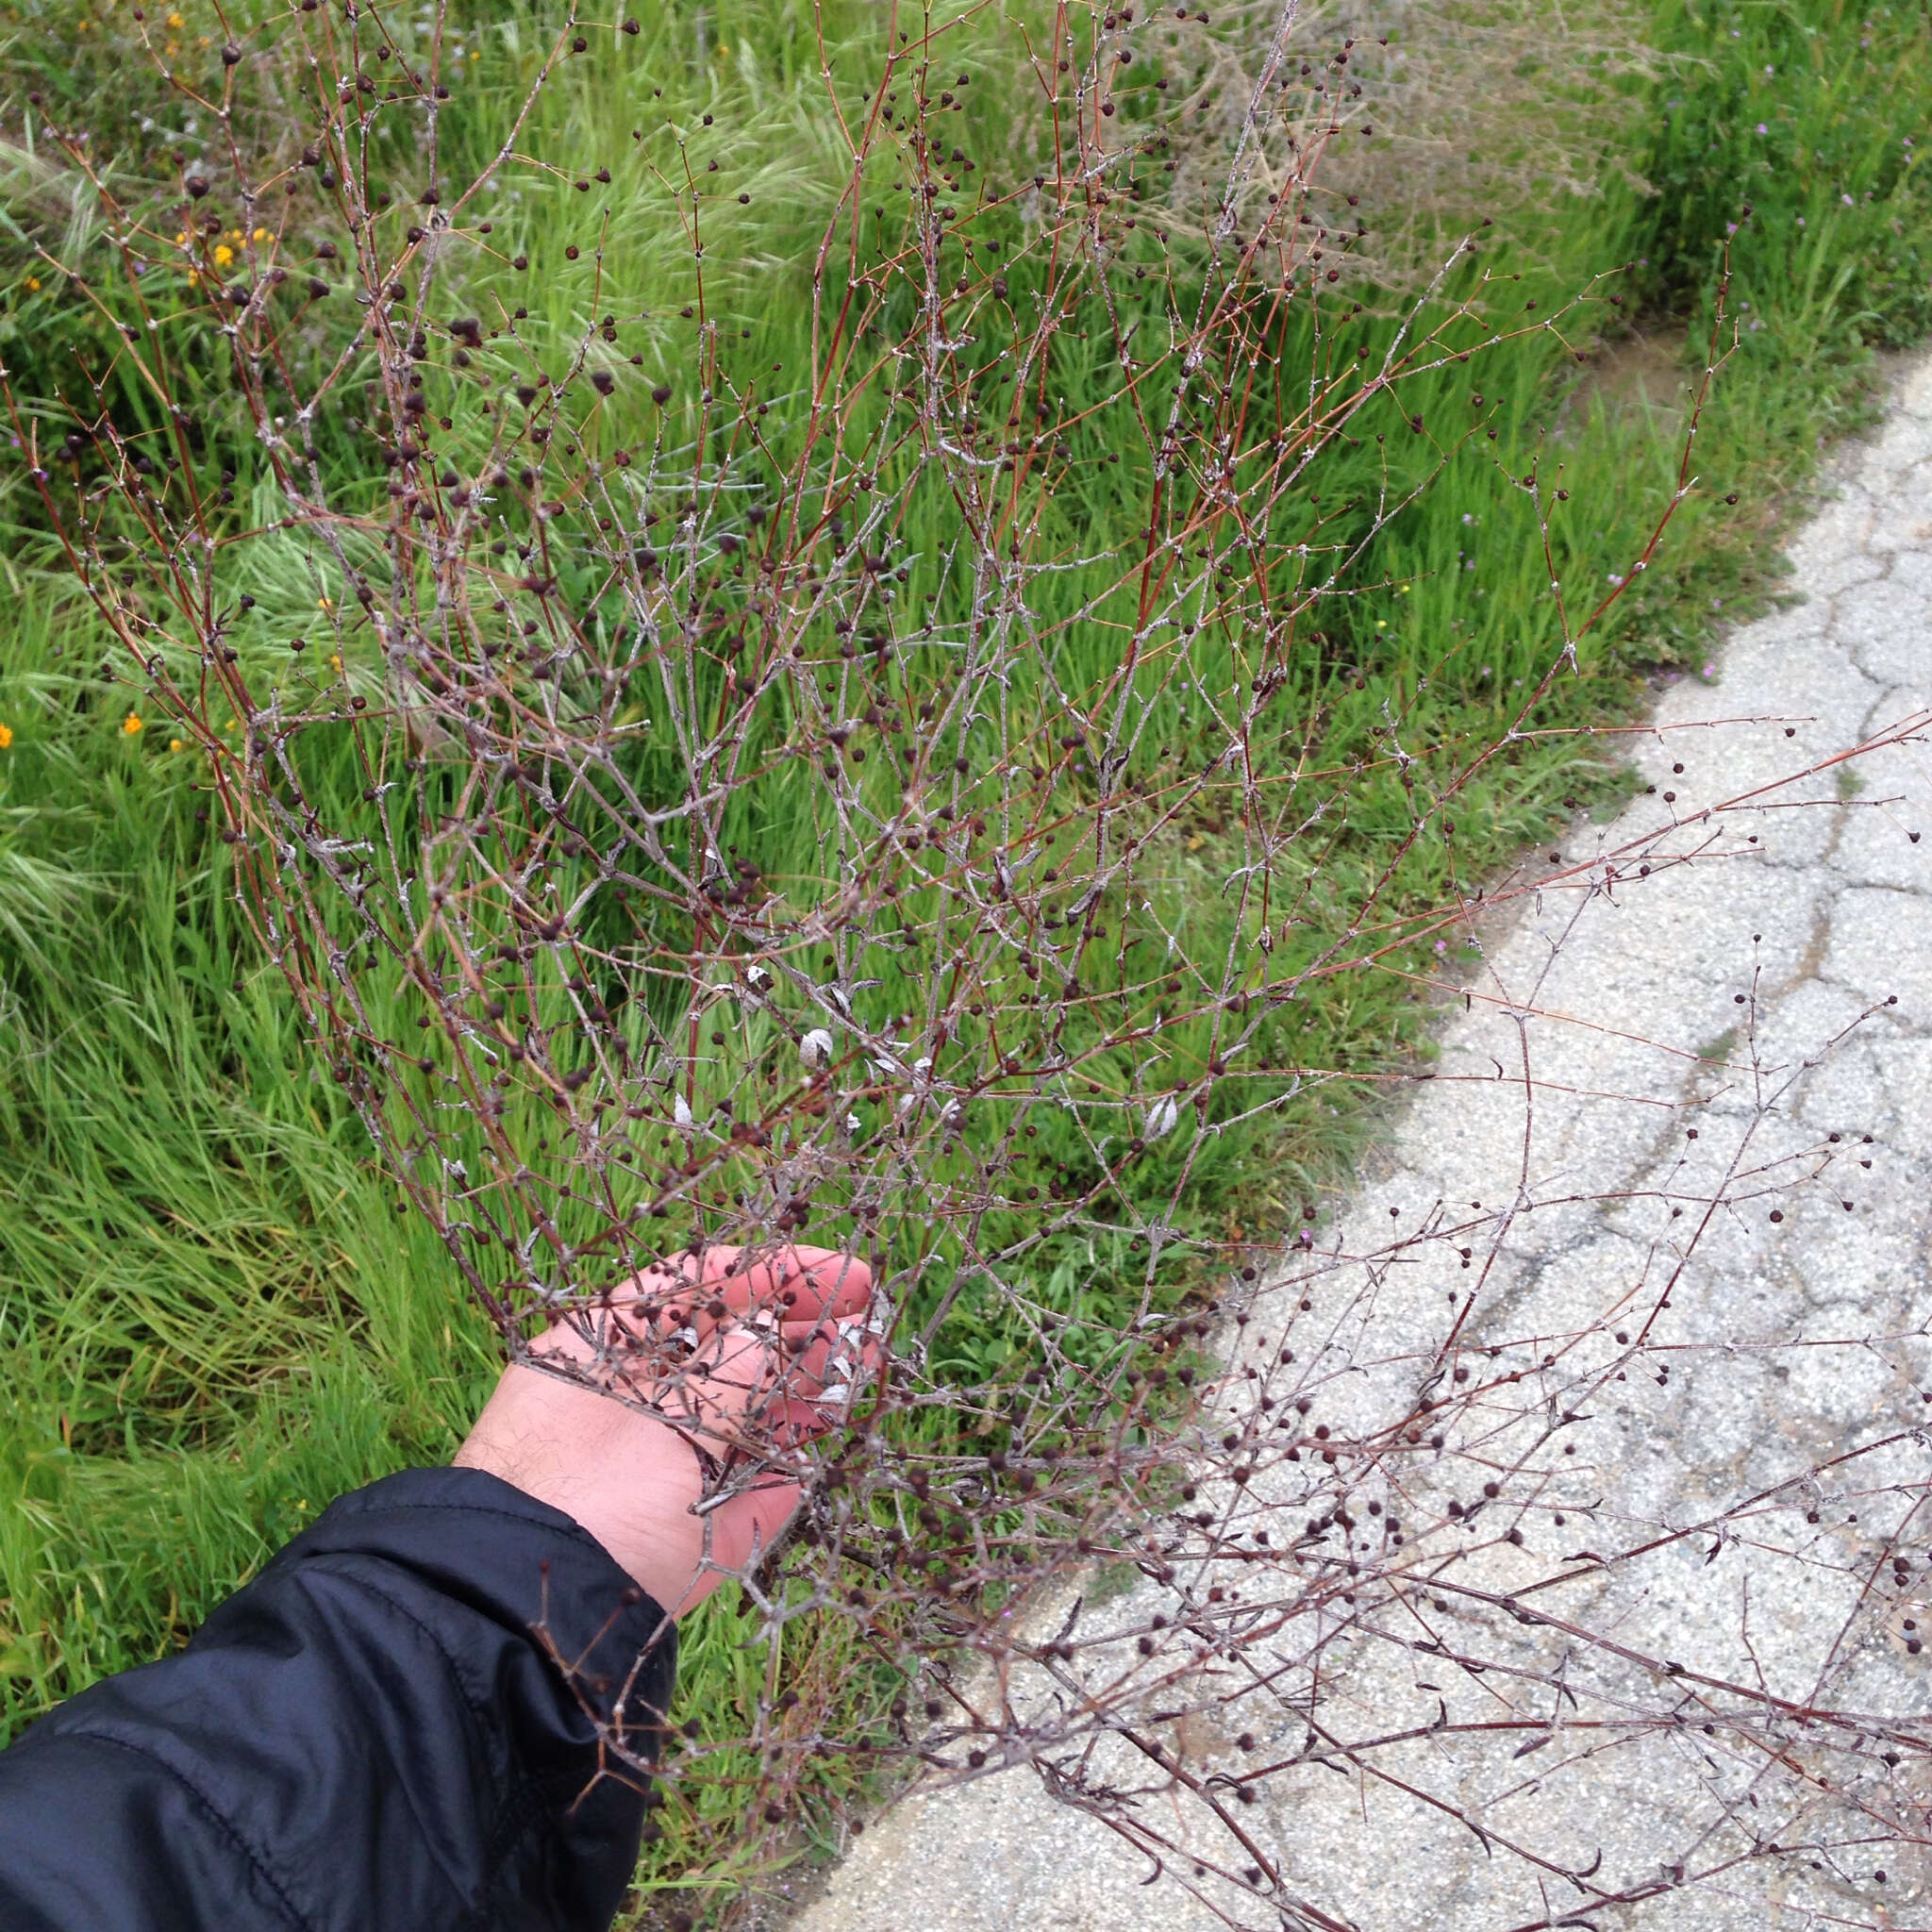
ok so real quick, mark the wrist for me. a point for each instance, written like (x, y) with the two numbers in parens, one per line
(625, 1477)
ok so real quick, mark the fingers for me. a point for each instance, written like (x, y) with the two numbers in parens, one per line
(829, 1366)
(799, 1284)
(821, 1283)
(794, 1283)
(735, 1348)
(749, 1388)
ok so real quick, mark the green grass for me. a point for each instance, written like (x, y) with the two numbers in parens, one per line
(212, 1316)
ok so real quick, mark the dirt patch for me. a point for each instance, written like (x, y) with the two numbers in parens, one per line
(1645, 376)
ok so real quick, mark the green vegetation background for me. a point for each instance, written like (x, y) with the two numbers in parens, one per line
(214, 1315)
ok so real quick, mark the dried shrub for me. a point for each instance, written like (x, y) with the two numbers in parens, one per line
(1406, 129)
(696, 802)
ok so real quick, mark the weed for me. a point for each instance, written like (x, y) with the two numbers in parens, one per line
(773, 660)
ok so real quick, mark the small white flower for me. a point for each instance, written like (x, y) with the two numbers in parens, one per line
(815, 1049)
(680, 1111)
(1161, 1117)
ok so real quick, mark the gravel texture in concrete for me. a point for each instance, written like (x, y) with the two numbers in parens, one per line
(1607, 1611)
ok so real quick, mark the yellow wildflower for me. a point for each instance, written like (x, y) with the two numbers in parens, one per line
(176, 744)
(335, 660)
(176, 20)
(33, 283)
(5, 736)
(224, 255)
(261, 235)
(130, 725)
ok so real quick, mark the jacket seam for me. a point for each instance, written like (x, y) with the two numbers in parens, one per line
(562, 1524)
(660, 1653)
(314, 1544)
(256, 1861)
(519, 1803)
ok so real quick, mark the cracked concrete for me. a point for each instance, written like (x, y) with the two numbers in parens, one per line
(1692, 1316)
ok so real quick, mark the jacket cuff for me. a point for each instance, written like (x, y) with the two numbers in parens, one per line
(488, 1545)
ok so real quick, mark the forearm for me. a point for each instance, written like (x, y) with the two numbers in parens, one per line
(375, 1731)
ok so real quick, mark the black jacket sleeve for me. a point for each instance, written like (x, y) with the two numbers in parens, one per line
(373, 1734)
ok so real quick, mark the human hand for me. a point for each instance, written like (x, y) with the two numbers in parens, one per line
(741, 1357)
